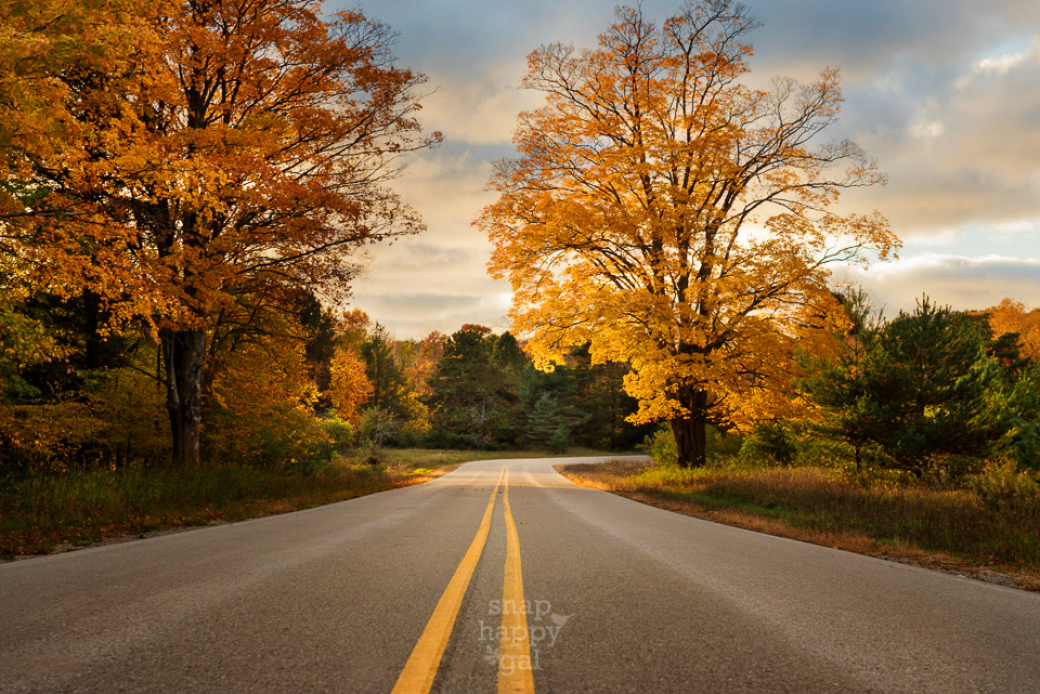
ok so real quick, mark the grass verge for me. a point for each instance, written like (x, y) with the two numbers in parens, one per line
(47, 513)
(950, 529)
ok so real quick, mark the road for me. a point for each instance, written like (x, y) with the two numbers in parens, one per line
(399, 592)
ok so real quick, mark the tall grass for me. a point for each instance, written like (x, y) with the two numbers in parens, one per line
(989, 522)
(38, 513)
(41, 512)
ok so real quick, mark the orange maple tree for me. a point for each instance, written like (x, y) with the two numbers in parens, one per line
(677, 219)
(1010, 316)
(189, 153)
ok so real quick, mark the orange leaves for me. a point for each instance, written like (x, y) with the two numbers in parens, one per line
(350, 387)
(1011, 316)
(679, 220)
(218, 142)
(186, 159)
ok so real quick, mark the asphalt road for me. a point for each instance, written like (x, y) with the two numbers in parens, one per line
(619, 597)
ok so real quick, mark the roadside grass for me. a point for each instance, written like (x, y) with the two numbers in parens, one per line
(957, 529)
(40, 514)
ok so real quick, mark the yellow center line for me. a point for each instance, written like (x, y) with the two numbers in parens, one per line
(421, 668)
(514, 645)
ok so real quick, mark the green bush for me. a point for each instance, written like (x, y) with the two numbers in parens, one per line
(661, 447)
(720, 445)
(723, 444)
(1003, 486)
(769, 444)
(340, 433)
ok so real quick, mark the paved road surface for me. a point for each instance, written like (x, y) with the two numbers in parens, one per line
(399, 589)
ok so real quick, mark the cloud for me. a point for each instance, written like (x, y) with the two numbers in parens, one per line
(415, 315)
(963, 283)
(942, 92)
(479, 112)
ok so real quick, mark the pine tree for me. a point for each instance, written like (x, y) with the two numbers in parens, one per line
(914, 390)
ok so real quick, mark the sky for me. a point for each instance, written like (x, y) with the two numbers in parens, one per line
(945, 94)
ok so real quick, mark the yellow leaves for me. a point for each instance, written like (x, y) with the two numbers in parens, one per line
(350, 387)
(220, 146)
(626, 220)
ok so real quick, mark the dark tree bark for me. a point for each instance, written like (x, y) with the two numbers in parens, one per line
(184, 353)
(690, 432)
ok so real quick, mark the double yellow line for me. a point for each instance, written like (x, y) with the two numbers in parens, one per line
(514, 644)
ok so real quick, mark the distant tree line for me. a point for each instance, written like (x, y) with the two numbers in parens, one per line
(289, 392)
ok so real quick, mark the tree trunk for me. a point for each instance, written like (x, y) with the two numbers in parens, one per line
(690, 432)
(184, 353)
(691, 441)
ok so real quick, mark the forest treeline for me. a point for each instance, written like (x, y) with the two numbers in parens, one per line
(189, 186)
(932, 391)
(291, 392)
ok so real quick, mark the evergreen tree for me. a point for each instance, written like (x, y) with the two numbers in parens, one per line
(913, 390)
(543, 421)
(475, 399)
(389, 384)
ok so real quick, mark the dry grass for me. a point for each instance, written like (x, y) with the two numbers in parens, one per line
(46, 513)
(952, 529)
(42, 514)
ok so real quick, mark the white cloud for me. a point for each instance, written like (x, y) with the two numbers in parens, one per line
(1004, 63)
(961, 282)
(950, 109)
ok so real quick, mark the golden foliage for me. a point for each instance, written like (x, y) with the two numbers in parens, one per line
(677, 219)
(175, 156)
(1011, 316)
(261, 405)
(350, 387)
(191, 148)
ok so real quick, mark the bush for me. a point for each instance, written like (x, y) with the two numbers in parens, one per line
(340, 433)
(377, 426)
(770, 444)
(1003, 486)
(723, 444)
(661, 447)
(720, 445)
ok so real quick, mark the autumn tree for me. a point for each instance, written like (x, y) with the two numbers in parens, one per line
(214, 150)
(349, 387)
(419, 359)
(677, 219)
(1015, 318)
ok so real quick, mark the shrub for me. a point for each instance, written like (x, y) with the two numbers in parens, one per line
(661, 447)
(770, 443)
(340, 433)
(720, 445)
(1003, 486)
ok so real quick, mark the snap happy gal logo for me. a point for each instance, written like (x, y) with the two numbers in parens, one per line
(542, 631)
